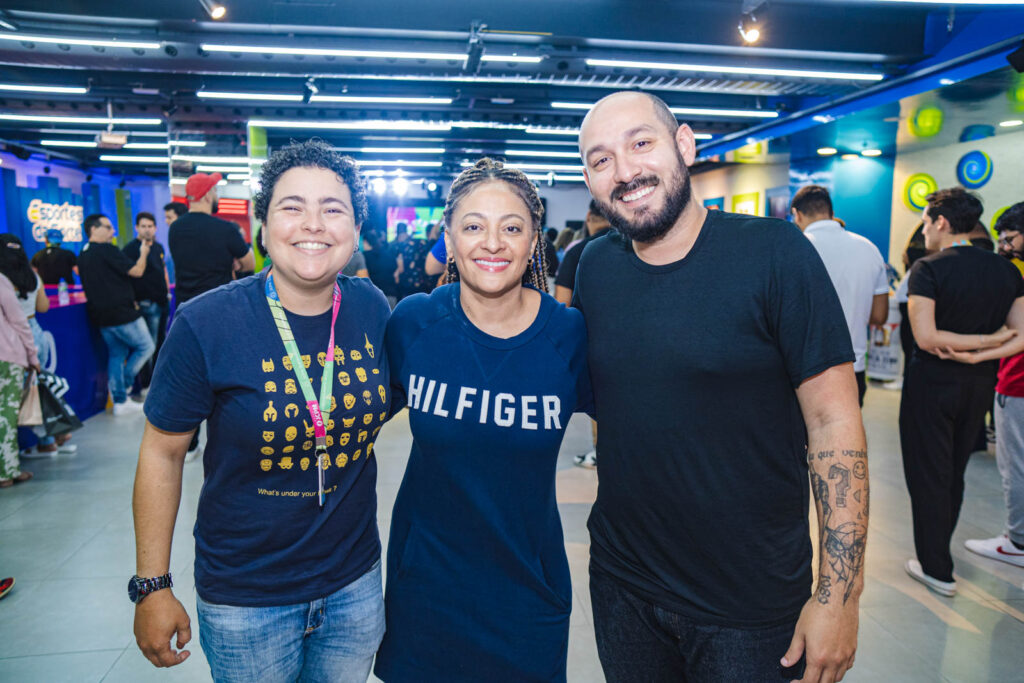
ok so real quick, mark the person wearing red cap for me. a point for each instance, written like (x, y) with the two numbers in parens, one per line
(204, 249)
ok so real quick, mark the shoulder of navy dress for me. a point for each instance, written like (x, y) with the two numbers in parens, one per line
(567, 332)
(413, 313)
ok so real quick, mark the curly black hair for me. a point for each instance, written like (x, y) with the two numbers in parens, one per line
(314, 153)
(1012, 219)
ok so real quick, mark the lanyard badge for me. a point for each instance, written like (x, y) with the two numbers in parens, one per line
(317, 409)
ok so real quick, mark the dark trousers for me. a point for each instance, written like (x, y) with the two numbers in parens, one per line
(639, 642)
(862, 386)
(940, 414)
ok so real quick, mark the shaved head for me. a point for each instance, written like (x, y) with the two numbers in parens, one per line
(658, 106)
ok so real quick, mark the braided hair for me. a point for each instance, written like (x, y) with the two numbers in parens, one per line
(489, 170)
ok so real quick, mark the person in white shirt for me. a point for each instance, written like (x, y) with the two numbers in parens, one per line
(854, 264)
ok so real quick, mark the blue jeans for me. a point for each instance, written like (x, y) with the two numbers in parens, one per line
(151, 313)
(129, 346)
(639, 641)
(329, 639)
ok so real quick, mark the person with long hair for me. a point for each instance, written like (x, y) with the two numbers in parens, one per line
(17, 353)
(32, 299)
(288, 369)
(478, 581)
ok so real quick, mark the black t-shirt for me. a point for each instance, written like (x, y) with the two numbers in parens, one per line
(204, 249)
(109, 298)
(381, 263)
(152, 286)
(566, 276)
(702, 505)
(973, 290)
(551, 256)
(55, 264)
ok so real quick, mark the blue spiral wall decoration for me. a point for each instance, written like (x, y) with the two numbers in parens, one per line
(974, 169)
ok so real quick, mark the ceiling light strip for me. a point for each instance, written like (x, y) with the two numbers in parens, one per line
(332, 52)
(67, 143)
(132, 159)
(354, 125)
(264, 96)
(388, 163)
(691, 111)
(89, 42)
(87, 120)
(49, 89)
(361, 99)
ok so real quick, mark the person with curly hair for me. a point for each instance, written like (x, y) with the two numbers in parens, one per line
(478, 581)
(287, 569)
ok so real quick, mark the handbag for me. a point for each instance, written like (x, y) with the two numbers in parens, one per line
(30, 412)
(58, 417)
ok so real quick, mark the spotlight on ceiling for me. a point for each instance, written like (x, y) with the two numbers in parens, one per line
(214, 9)
(400, 186)
(379, 185)
(748, 27)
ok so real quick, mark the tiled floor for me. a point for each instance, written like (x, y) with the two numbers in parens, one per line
(67, 537)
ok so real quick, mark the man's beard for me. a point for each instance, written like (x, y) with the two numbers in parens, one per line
(649, 225)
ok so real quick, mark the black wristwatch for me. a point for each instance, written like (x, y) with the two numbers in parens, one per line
(138, 588)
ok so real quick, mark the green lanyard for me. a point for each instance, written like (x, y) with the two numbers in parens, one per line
(318, 412)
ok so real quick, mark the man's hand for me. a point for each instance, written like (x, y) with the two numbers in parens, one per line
(826, 635)
(158, 617)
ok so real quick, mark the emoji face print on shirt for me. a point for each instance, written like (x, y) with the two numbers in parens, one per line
(286, 456)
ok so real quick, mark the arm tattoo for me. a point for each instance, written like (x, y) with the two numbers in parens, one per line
(843, 539)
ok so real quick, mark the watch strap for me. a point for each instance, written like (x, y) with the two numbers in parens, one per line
(147, 586)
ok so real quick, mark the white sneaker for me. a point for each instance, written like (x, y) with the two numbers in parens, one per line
(68, 448)
(946, 588)
(588, 460)
(193, 454)
(998, 548)
(36, 454)
(129, 407)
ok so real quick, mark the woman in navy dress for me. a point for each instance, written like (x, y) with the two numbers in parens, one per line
(491, 368)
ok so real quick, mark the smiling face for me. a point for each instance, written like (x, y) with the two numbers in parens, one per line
(635, 166)
(310, 230)
(492, 237)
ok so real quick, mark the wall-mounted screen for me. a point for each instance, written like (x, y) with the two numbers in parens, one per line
(418, 219)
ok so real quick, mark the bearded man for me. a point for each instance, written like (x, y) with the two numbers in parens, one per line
(722, 373)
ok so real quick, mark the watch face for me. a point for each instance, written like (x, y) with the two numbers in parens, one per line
(133, 590)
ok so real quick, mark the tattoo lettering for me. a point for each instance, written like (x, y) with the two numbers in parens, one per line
(824, 589)
(855, 454)
(843, 485)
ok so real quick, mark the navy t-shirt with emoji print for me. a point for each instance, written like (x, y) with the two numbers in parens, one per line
(261, 537)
